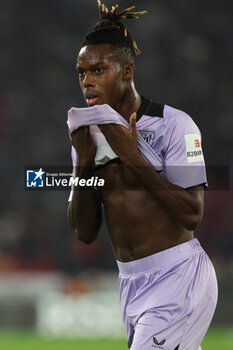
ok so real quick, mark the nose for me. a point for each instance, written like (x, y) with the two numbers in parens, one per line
(88, 80)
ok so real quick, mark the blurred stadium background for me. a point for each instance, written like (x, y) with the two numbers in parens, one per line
(50, 284)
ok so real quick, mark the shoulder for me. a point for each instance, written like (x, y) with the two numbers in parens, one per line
(165, 120)
(175, 118)
(171, 116)
(150, 108)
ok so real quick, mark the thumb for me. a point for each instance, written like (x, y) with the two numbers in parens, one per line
(132, 122)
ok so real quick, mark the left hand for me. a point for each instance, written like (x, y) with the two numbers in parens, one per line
(122, 141)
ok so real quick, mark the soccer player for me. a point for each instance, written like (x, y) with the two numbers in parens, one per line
(167, 284)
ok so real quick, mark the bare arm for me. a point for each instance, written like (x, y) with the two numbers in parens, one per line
(84, 210)
(184, 205)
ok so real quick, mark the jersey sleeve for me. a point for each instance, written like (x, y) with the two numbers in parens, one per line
(183, 156)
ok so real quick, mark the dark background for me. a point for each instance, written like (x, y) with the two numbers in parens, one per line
(186, 62)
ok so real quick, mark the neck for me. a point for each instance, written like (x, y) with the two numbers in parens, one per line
(130, 102)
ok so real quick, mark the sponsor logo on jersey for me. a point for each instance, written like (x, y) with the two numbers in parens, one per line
(193, 148)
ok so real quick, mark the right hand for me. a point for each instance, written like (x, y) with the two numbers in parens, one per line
(84, 145)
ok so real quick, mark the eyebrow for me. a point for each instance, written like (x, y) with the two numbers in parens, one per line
(91, 66)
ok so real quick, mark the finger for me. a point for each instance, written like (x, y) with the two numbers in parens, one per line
(102, 128)
(74, 136)
(105, 130)
(78, 131)
(86, 130)
(133, 123)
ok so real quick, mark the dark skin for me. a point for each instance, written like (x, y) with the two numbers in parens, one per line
(145, 214)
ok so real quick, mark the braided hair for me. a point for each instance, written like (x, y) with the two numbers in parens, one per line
(110, 29)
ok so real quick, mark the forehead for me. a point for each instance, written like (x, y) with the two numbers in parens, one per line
(93, 54)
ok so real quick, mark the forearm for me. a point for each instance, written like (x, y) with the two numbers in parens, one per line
(184, 206)
(84, 211)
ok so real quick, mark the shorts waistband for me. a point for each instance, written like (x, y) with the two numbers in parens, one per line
(165, 257)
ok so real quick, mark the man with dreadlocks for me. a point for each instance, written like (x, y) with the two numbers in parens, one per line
(151, 159)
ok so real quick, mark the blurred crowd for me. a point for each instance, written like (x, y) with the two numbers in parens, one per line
(186, 62)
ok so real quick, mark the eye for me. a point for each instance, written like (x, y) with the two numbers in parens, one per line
(81, 74)
(99, 70)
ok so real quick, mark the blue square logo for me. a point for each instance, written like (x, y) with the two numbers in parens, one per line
(35, 178)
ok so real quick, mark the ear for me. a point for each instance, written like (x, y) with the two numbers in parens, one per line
(128, 71)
